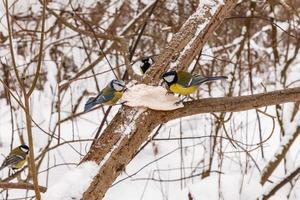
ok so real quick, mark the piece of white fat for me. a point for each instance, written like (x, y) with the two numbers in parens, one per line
(153, 97)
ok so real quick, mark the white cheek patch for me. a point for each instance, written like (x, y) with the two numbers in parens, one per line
(169, 78)
(118, 87)
(24, 150)
(150, 61)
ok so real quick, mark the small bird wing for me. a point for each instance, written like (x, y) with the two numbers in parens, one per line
(197, 80)
(184, 78)
(12, 160)
(104, 96)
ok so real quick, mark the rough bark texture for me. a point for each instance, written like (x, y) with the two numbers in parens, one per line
(24, 186)
(187, 57)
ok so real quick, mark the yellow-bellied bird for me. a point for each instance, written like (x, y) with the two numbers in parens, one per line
(108, 96)
(17, 158)
(185, 83)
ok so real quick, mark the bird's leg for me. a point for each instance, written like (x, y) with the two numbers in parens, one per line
(122, 103)
(14, 170)
(169, 93)
(19, 177)
(178, 102)
(191, 98)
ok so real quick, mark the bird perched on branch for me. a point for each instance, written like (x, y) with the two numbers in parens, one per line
(108, 96)
(184, 83)
(17, 158)
(146, 64)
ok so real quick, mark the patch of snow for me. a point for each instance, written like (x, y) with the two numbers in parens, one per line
(73, 184)
(131, 126)
(290, 126)
(153, 97)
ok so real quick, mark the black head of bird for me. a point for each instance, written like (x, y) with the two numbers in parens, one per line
(147, 62)
(24, 148)
(170, 77)
(118, 85)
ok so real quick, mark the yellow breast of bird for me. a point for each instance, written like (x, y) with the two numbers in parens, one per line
(117, 96)
(20, 164)
(179, 89)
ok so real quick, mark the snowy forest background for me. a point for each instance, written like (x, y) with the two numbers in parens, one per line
(56, 54)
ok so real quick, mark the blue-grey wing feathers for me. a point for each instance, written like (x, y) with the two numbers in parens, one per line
(101, 98)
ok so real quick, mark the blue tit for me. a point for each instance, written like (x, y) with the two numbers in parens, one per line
(185, 83)
(147, 62)
(108, 96)
(17, 158)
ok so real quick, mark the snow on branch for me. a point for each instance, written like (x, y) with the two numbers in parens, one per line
(191, 37)
(205, 12)
(292, 130)
(288, 178)
(73, 183)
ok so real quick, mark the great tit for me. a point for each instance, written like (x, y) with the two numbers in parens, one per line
(185, 83)
(108, 96)
(146, 64)
(17, 158)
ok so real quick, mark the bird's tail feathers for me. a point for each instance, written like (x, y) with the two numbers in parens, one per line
(91, 102)
(200, 79)
(214, 78)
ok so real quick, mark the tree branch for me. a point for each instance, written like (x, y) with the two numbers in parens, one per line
(233, 104)
(40, 52)
(281, 183)
(25, 186)
(124, 31)
(150, 119)
(279, 155)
